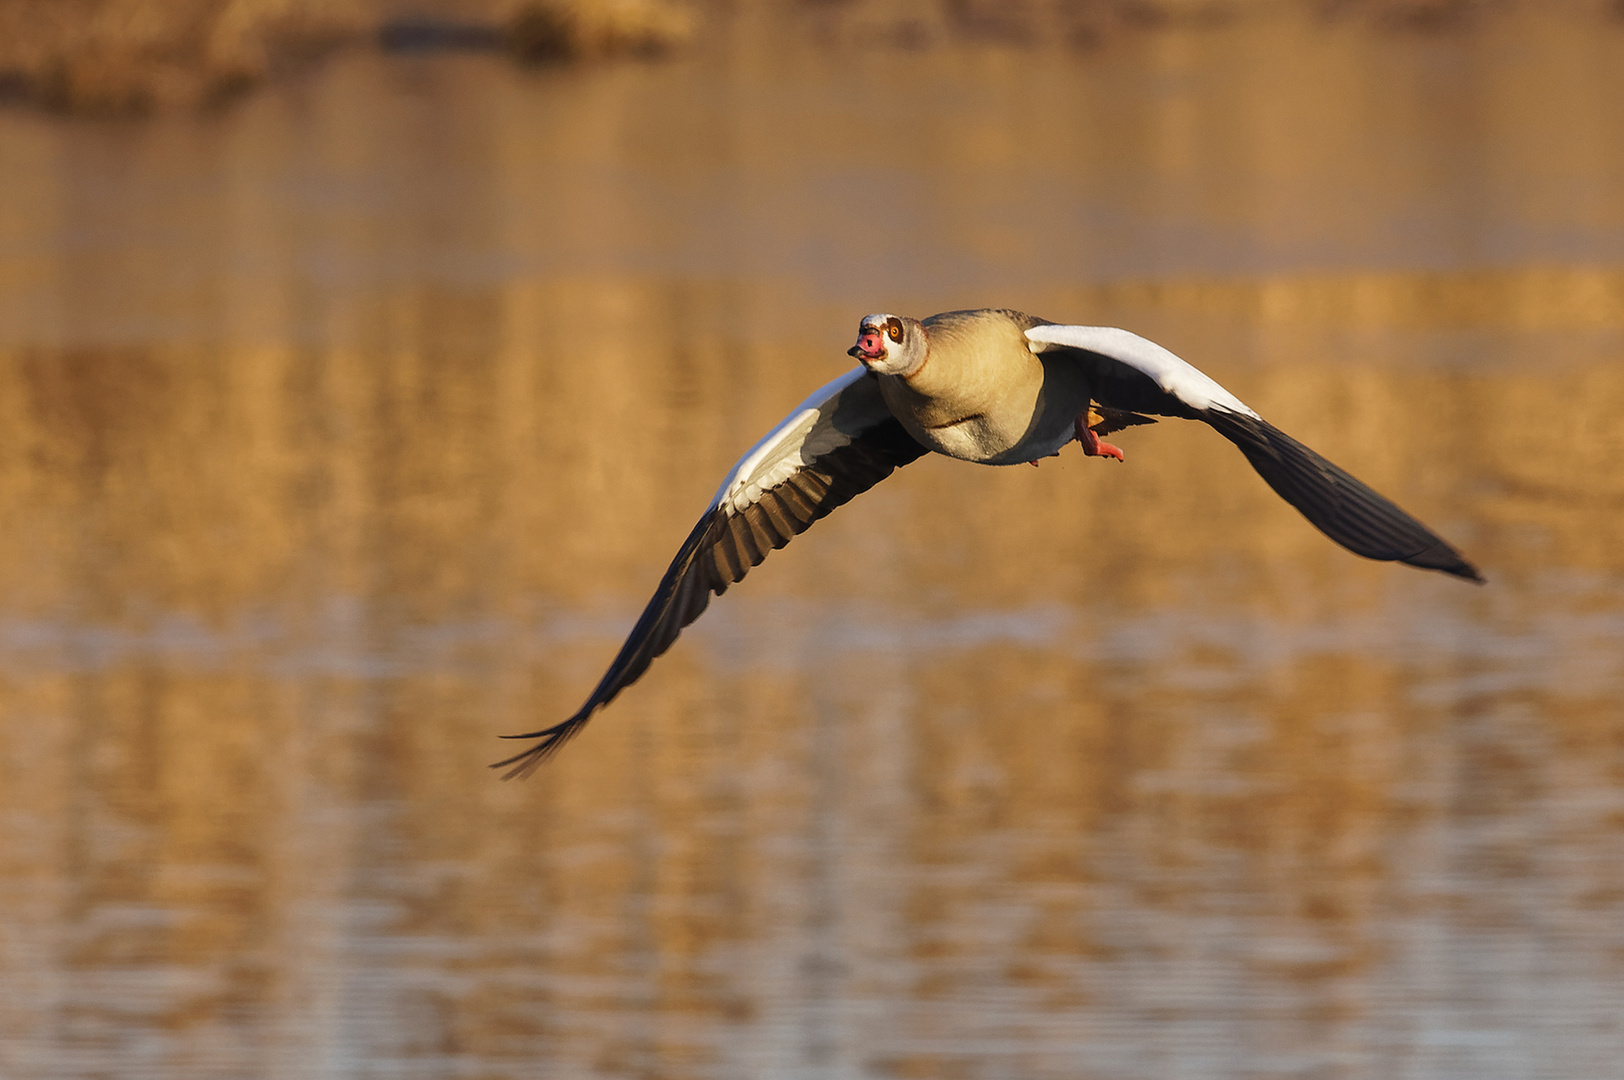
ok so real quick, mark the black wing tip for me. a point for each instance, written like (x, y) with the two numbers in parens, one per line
(1446, 560)
(1337, 503)
(528, 760)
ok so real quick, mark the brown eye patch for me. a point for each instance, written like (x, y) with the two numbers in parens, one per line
(893, 329)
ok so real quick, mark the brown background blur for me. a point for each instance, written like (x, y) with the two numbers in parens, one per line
(353, 396)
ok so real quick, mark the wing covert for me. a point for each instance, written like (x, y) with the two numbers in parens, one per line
(1118, 356)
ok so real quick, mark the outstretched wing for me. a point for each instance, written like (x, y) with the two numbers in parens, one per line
(1127, 371)
(837, 443)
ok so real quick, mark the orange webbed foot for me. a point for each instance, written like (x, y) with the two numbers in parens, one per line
(1093, 445)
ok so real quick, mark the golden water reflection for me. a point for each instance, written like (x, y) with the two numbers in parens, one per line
(995, 773)
(1087, 770)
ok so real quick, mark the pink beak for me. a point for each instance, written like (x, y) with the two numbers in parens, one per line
(870, 345)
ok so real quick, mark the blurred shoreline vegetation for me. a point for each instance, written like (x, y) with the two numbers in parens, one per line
(126, 57)
(136, 56)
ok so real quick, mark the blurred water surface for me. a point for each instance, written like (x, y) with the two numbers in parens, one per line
(348, 428)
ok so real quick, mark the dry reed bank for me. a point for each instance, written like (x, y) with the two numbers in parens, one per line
(132, 56)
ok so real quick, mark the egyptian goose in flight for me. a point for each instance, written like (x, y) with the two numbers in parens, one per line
(995, 387)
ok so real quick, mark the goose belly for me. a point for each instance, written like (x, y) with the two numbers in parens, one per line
(1045, 437)
(974, 438)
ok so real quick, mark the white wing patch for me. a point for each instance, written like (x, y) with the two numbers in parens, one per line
(1178, 378)
(802, 437)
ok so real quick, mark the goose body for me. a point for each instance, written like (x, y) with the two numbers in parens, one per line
(994, 387)
(981, 394)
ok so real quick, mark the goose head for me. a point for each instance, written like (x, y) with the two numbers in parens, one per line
(890, 344)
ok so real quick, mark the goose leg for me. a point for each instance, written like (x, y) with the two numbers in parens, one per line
(1093, 445)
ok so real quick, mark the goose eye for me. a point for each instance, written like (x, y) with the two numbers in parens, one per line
(893, 330)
